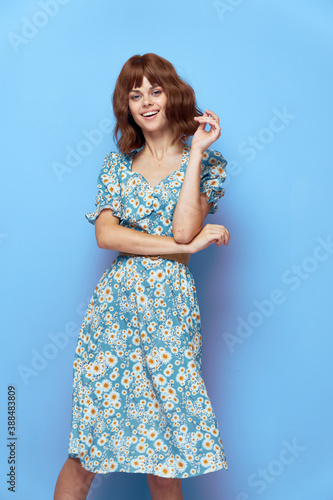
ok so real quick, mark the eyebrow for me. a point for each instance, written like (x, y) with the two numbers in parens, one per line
(138, 90)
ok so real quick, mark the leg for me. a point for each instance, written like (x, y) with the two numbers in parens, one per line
(164, 488)
(73, 482)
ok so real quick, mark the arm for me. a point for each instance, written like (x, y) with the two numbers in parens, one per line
(111, 236)
(192, 207)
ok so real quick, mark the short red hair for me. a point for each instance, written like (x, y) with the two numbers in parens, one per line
(181, 105)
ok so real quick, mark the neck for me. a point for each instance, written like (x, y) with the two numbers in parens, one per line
(157, 147)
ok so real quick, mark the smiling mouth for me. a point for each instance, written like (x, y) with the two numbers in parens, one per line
(149, 114)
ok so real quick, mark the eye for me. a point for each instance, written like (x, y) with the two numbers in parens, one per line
(157, 92)
(134, 97)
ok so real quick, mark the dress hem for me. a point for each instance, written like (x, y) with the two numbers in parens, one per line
(136, 471)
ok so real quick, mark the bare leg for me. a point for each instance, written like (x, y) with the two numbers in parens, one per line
(164, 488)
(73, 482)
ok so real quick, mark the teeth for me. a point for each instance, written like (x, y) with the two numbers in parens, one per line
(151, 113)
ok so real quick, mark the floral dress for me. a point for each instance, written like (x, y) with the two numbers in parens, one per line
(139, 401)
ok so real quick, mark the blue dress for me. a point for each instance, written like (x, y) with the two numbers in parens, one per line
(139, 401)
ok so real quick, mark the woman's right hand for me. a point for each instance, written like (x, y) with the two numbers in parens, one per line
(210, 233)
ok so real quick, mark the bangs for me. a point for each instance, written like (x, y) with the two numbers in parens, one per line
(138, 70)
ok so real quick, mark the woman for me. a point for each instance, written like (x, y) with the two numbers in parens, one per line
(139, 401)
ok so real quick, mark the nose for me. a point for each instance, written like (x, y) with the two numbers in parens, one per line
(146, 100)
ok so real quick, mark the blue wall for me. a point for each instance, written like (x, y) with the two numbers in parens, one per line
(265, 67)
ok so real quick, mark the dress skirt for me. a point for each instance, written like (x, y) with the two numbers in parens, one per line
(139, 400)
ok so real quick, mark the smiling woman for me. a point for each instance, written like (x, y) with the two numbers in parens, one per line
(140, 404)
(148, 104)
(180, 107)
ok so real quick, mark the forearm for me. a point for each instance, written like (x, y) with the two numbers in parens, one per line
(124, 239)
(188, 217)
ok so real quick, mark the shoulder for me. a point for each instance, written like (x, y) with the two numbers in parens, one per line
(212, 167)
(212, 157)
(117, 157)
(113, 167)
(108, 170)
(111, 160)
(110, 157)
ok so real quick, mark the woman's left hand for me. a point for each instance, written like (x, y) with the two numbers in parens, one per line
(202, 138)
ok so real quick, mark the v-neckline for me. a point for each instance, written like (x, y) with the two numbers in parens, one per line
(132, 154)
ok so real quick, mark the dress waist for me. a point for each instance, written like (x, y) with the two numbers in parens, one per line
(179, 257)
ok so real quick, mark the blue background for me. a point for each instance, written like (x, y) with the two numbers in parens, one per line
(265, 68)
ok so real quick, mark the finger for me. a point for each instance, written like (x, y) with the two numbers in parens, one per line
(206, 119)
(211, 121)
(224, 236)
(212, 114)
(204, 114)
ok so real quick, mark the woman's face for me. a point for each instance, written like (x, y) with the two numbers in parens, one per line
(147, 105)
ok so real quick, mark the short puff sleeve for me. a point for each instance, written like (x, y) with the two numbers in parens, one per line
(212, 177)
(108, 195)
